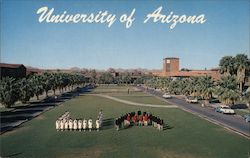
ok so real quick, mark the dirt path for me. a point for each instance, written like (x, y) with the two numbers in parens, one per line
(133, 103)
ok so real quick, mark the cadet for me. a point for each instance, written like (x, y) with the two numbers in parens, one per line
(79, 125)
(62, 125)
(97, 122)
(75, 124)
(90, 124)
(57, 125)
(66, 125)
(70, 124)
(84, 124)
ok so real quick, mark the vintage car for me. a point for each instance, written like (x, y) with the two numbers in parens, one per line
(191, 99)
(166, 96)
(224, 109)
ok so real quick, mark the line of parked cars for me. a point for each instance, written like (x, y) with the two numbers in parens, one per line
(224, 109)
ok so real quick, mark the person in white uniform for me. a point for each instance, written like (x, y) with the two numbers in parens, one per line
(97, 123)
(90, 124)
(84, 124)
(80, 124)
(61, 125)
(57, 125)
(70, 124)
(75, 124)
(66, 125)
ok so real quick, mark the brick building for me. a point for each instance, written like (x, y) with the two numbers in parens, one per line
(171, 69)
(17, 70)
(12, 70)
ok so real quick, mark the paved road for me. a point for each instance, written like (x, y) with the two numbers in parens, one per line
(233, 122)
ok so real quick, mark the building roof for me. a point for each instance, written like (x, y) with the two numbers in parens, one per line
(195, 73)
(171, 58)
(11, 65)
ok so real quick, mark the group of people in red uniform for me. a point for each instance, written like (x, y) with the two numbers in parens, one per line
(138, 119)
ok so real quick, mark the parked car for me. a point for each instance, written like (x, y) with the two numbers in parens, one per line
(166, 96)
(191, 99)
(225, 110)
(247, 118)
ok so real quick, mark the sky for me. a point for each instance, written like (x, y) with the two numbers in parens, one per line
(24, 40)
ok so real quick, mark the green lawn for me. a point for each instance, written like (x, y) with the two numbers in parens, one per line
(188, 136)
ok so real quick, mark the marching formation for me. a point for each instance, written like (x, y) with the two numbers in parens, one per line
(138, 119)
(65, 123)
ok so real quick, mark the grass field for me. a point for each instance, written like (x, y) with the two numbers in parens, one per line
(188, 136)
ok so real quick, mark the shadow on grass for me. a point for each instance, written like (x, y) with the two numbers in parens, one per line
(11, 155)
(166, 127)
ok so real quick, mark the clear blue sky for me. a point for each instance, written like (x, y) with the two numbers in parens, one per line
(45, 45)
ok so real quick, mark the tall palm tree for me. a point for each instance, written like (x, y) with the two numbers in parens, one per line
(241, 64)
(227, 65)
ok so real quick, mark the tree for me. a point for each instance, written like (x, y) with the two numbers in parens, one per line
(229, 96)
(54, 82)
(47, 80)
(241, 64)
(206, 85)
(126, 78)
(175, 87)
(93, 76)
(106, 78)
(9, 91)
(37, 84)
(227, 65)
(26, 90)
(227, 90)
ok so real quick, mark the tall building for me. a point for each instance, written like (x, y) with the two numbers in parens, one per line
(170, 64)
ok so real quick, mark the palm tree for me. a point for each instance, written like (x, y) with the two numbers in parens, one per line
(47, 80)
(206, 87)
(241, 64)
(227, 90)
(54, 82)
(229, 96)
(227, 65)
(37, 84)
(9, 91)
(26, 89)
(176, 87)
